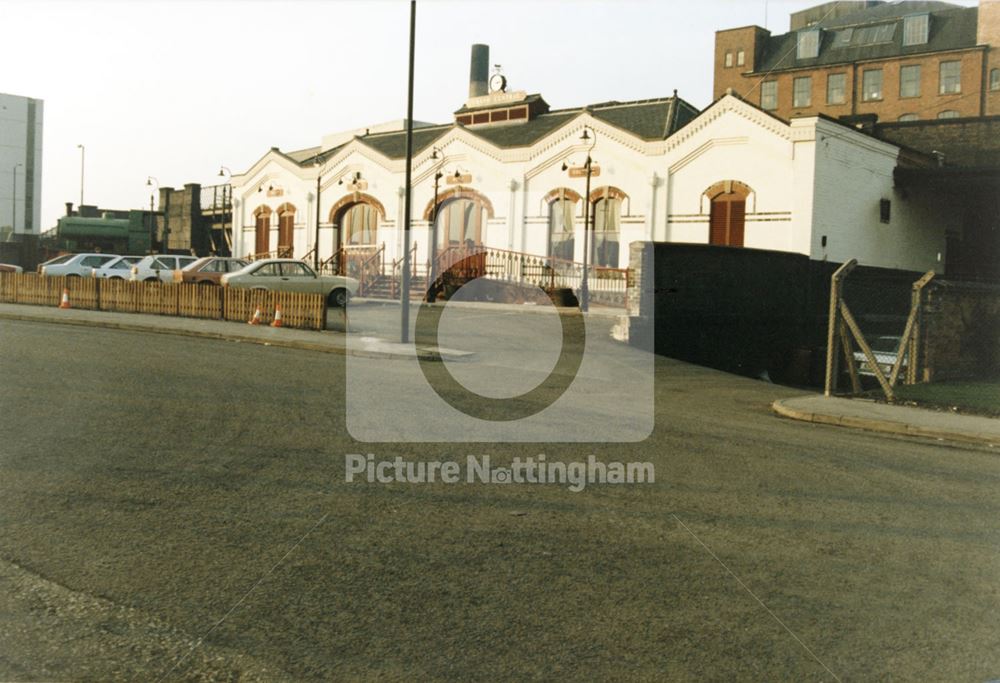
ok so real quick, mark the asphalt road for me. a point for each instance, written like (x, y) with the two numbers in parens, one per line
(175, 509)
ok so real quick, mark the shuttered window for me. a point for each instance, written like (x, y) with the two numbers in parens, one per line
(262, 241)
(727, 220)
(286, 228)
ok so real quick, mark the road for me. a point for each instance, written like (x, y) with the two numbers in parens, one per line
(176, 509)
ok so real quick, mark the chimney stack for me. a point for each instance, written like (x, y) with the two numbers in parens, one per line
(479, 70)
(69, 208)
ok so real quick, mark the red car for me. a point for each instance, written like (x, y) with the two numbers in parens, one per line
(209, 270)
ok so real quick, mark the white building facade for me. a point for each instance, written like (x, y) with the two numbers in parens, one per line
(20, 164)
(510, 178)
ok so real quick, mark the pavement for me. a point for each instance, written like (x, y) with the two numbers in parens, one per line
(330, 341)
(892, 419)
(856, 413)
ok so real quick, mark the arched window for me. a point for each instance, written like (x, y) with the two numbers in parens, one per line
(607, 220)
(359, 225)
(562, 208)
(286, 229)
(460, 222)
(908, 117)
(948, 114)
(262, 241)
(727, 218)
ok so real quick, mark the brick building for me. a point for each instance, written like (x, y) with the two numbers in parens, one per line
(901, 61)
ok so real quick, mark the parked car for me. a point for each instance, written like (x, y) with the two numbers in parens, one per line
(290, 275)
(10, 268)
(209, 270)
(160, 267)
(885, 348)
(117, 269)
(74, 265)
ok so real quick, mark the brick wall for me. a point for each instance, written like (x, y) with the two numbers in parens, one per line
(959, 331)
(988, 33)
(967, 142)
(749, 40)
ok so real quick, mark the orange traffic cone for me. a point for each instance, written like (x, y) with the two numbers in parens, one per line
(65, 299)
(277, 316)
(255, 320)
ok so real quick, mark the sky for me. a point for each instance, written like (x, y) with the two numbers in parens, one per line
(176, 89)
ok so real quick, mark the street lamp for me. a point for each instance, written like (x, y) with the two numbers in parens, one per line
(318, 163)
(431, 291)
(223, 173)
(13, 206)
(588, 166)
(150, 182)
(83, 152)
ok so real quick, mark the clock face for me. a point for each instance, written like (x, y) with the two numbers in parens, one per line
(498, 83)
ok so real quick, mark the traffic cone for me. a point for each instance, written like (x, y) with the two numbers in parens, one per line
(65, 299)
(277, 316)
(255, 320)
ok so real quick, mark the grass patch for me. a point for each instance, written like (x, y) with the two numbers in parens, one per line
(976, 396)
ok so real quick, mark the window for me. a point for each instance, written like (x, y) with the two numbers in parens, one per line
(915, 29)
(948, 114)
(951, 78)
(561, 238)
(605, 244)
(286, 229)
(807, 46)
(909, 81)
(908, 117)
(802, 91)
(729, 59)
(460, 223)
(843, 37)
(164, 263)
(741, 58)
(871, 85)
(836, 88)
(359, 224)
(994, 79)
(268, 270)
(295, 270)
(769, 95)
(871, 35)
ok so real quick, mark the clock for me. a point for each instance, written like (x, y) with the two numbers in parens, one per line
(498, 83)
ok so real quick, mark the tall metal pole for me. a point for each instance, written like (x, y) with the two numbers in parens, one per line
(13, 205)
(319, 177)
(431, 296)
(584, 289)
(404, 331)
(83, 152)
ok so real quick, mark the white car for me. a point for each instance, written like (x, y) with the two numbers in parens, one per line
(117, 269)
(74, 265)
(290, 275)
(159, 267)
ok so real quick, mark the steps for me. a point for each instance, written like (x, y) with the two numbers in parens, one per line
(382, 288)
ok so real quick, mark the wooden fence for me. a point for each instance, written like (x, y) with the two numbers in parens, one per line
(304, 311)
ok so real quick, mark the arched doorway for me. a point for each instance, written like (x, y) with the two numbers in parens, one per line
(727, 216)
(356, 220)
(262, 230)
(286, 230)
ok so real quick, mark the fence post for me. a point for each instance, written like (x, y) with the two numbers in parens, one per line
(832, 366)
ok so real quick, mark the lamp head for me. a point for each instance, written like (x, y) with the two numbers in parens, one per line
(586, 135)
(564, 166)
(457, 174)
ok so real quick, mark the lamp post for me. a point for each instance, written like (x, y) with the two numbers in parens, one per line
(13, 205)
(223, 173)
(83, 152)
(588, 166)
(150, 182)
(404, 316)
(319, 178)
(431, 292)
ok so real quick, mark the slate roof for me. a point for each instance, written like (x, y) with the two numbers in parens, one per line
(654, 119)
(951, 28)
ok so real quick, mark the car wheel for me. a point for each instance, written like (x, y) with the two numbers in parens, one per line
(339, 297)
(207, 283)
(115, 277)
(152, 279)
(73, 275)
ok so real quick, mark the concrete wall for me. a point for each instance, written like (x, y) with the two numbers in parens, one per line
(960, 332)
(21, 143)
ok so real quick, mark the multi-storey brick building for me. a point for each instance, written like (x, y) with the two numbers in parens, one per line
(901, 61)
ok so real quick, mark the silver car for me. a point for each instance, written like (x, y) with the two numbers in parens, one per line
(884, 347)
(117, 269)
(290, 275)
(74, 265)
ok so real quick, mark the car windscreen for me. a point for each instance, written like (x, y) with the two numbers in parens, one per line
(59, 259)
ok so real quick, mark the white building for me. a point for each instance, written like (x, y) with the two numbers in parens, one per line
(511, 180)
(20, 164)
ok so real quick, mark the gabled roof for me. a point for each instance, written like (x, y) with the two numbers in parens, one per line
(654, 119)
(951, 28)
